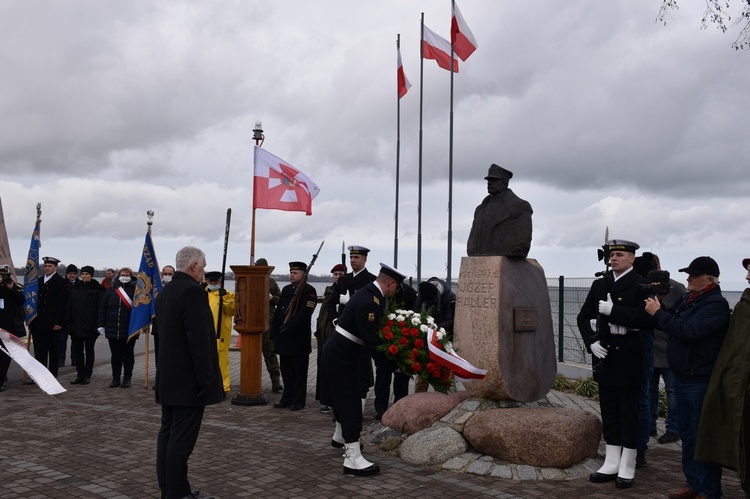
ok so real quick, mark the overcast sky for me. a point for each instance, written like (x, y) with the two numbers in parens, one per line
(607, 118)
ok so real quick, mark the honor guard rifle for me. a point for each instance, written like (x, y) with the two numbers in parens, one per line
(602, 322)
(298, 292)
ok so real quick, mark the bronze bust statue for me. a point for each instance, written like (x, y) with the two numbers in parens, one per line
(502, 223)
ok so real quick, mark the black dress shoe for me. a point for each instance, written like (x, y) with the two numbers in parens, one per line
(125, 382)
(296, 408)
(370, 470)
(378, 416)
(85, 381)
(640, 459)
(280, 405)
(115, 382)
(76, 381)
(623, 483)
(602, 477)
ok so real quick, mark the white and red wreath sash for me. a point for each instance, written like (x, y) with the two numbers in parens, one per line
(451, 360)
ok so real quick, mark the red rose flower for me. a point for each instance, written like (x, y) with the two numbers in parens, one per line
(402, 323)
(414, 332)
(403, 341)
(388, 335)
(393, 349)
(416, 367)
(419, 343)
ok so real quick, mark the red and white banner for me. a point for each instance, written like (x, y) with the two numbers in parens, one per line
(462, 369)
(16, 350)
(464, 43)
(279, 186)
(124, 297)
(436, 47)
(402, 81)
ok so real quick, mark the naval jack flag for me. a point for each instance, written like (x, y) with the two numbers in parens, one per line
(277, 185)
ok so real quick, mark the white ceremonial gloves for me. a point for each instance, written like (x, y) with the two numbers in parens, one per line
(598, 350)
(617, 329)
(100, 329)
(344, 299)
(605, 307)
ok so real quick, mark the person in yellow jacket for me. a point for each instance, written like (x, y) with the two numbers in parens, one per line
(223, 330)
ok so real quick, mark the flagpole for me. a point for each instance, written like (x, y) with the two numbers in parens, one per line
(419, 196)
(450, 177)
(398, 157)
(38, 224)
(252, 240)
(149, 223)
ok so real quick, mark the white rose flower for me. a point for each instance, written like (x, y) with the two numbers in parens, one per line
(423, 328)
(391, 317)
(415, 321)
(441, 334)
(400, 318)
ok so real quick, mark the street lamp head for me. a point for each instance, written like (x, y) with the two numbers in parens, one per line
(258, 136)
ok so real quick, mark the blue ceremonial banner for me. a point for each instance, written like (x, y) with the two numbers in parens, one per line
(31, 275)
(148, 286)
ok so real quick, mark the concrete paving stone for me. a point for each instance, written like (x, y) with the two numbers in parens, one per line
(526, 472)
(501, 471)
(455, 464)
(479, 467)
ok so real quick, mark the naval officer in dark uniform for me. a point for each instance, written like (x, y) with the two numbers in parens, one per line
(50, 314)
(618, 357)
(291, 339)
(356, 331)
(349, 284)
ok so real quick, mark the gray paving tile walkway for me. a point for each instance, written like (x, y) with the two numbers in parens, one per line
(94, 441)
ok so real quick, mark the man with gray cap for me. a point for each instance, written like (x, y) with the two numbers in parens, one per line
(502, 223)
(696, 326)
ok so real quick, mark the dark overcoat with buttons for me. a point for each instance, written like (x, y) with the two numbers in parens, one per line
(625, 364)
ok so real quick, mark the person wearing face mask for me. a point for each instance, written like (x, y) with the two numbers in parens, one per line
(81, 315)
(114, 321)
(166, 277)
(218, 295)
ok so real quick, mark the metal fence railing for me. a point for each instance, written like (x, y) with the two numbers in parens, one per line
(567, 295)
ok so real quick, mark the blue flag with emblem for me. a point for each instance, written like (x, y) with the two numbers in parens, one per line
(31, 272)
(147, 287)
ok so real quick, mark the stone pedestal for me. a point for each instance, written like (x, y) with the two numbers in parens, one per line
(251, 318)
(503, 323)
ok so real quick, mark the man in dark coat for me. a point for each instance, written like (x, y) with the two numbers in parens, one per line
(47, 326)
(696, 326)
(11, 302)
(356, 331)
(724, 429)
(618, 357)
(292, 337)
(188, 377)
(502, 223)
(82, 315)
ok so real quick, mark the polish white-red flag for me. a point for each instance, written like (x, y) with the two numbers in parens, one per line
(402, 81)
(464, 43)
(436, 47)
(277, 185)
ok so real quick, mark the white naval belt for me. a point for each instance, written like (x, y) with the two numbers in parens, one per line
(349, 336)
